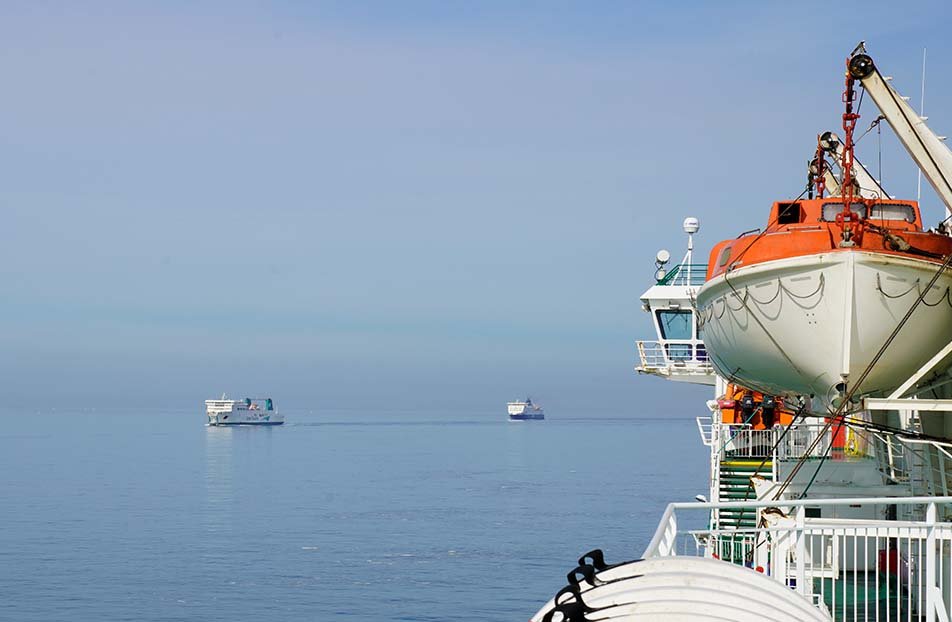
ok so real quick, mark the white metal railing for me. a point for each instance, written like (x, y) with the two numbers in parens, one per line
(857, 569)
(799, 441)
(920, 466)
(705, 427)
(684, 355)
(938, 463)
(790, 442)
(893, 457)
(744, 441)
(924, 464)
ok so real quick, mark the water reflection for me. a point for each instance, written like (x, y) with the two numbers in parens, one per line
(238, 472)
(219, 478)
(519, 435)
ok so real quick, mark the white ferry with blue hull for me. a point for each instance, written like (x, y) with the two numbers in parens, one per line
(249, 411)
(525, 411)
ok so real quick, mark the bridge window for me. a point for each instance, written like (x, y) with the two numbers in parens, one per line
(675, 324)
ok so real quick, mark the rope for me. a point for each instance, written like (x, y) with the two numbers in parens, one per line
(763, 302)
(879, 287)
(822, 282)
(869, 129)
(706, 315)
(945, 295)
(762, 327)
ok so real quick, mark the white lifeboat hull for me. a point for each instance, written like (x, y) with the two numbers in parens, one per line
(680, 588)
(806, 325)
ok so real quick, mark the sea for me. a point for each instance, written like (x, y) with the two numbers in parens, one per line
(147, 514)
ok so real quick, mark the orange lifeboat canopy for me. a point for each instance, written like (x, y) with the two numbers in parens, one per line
(809, 226)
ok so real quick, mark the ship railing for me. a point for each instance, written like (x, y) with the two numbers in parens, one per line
(797, 441)
(857, 569)
(742, 440)
(924, 464)
(895, 458)
(937, 458)
(921, 466)
(800, 441)
(674, 356)
(705, 427)
(689, 274)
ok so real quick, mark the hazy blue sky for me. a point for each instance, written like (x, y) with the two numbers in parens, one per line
(398, 204)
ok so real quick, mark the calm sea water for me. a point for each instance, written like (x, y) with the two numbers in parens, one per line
(150, 515)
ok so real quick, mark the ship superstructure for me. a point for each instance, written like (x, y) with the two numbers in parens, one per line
(827, 338)
(679, 353)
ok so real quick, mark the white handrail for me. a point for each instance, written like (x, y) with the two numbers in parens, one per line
(870, 569)
(705, 427)
(669, 513)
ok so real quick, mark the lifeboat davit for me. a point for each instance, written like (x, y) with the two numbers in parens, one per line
(793, 310)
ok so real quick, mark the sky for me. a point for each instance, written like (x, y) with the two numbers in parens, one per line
(400, 206)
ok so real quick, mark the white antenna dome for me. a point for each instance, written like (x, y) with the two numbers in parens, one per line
(691, 225)
(662, 257)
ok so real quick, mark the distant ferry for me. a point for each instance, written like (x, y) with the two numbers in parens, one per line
(524, 411)
(242, 412)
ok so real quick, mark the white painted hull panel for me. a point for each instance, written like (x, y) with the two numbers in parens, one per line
(803, 325)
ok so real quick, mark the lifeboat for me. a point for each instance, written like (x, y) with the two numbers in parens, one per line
(792, 310)
(838, 296)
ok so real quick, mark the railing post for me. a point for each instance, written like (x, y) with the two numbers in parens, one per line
(942, 476)
(670, 547)
(930, 562)
(801, 554)
(774, 437)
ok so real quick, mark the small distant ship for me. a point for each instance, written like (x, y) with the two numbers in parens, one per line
(257, 411)
(525, 411)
